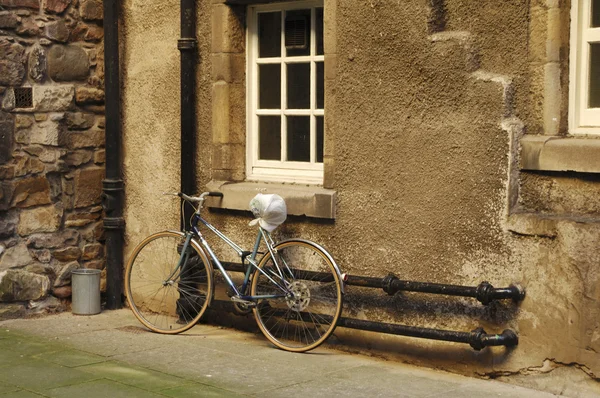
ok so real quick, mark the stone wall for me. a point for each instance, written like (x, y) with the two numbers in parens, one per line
(51, 149)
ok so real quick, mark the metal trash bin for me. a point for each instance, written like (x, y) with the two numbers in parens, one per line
(85, 284)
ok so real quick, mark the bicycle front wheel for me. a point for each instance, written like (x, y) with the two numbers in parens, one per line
(308, 315)
(163, 296)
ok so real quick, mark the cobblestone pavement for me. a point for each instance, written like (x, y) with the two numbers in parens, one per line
(111, 355)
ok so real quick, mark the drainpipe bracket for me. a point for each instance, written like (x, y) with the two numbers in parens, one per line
(187, 44)
(484, 293)
(476, 339)
(388, 284)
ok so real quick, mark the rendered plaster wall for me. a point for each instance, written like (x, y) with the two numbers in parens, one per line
(421, 129)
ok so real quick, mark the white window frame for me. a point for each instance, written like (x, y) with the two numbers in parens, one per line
(274, 170)
(582, 120)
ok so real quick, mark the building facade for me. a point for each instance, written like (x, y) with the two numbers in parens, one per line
(445, 141)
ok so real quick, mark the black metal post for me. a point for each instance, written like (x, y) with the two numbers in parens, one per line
(187, 45)
(112, 185)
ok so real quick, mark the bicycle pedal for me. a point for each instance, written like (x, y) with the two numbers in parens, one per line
(240, 300)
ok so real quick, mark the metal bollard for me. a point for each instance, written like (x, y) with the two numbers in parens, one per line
(86, 291)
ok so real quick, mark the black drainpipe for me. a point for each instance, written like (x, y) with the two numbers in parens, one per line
(187, 45)
(112, 185)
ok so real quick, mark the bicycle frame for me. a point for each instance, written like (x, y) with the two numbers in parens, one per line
(240, 293)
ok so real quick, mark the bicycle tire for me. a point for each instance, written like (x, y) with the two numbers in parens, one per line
(304, 322)
(172, 306)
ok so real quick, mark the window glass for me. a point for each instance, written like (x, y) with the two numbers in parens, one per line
(297, 33)
(320, 130)
(269, 141)
(269, 34)
(298, 86)
(298, 138)
(320, 84)
(595, 14)
(594, 82)
(269, 82)
(319, 30)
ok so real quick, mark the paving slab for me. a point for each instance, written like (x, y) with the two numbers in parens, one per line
(135, 376)
(100, 389)
(111, 355)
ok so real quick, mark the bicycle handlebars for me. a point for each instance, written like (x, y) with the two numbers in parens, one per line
(196, 199)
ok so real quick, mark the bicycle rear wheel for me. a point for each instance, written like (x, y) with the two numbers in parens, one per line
(304, 321)
(164, 298)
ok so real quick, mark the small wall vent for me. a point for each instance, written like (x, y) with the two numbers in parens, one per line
(296, 32)
(23, 97)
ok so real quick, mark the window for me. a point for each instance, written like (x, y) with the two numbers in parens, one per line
(584, 99)
(285, 92)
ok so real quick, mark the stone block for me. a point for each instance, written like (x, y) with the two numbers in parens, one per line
(23, 121)
(28, 27)
(57, 31)
(62, 292)
(8, 20)
(41, 269)
(12, 63)
(46, 133)
(40, 219)
(7, 131)
(68, 62)
(11, 311)
(228, 30)
(93, 251)
(86, 139)
(31, 191)
(79, 120)
(88, 95)
(8, 224)
(56, 6)
(67, 237)
(7, 172)
(67, 254)
(55, 98)
(77, 158)
(38, 63)
(95, 264)
(81, 219)
(100, 156)
(64, 275)
(88, 186)
(34, 4)
(15, 257)
(94, 33)
(91, 10)
(42, 255)
(227, 67)
(16, 285)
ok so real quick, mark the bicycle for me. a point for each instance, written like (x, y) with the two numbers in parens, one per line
(295, 290)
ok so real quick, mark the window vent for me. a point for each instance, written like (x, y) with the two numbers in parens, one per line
(23, 97)
(296, 35)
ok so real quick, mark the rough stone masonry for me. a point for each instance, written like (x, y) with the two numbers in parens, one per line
(51, 150)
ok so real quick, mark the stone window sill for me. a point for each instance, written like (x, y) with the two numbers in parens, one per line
(545, 225)
(550, 153)
(301, 200)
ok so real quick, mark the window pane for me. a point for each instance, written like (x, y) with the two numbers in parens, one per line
(594, 75)
(595, 13)
(320, 130)
(269, 81)
(298, 86)
(269, 34)
(269, 141)
(319, 30)
(297, 33)
(298, 138)
(320, 88)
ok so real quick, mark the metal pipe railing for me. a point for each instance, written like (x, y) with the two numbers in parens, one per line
(484, 292)
(477, 338)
